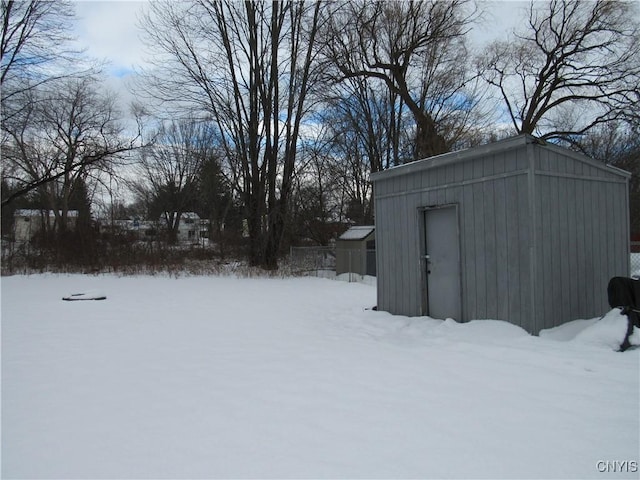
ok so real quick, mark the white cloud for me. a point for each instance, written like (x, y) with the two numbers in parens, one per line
(500, 18)
(108, 30)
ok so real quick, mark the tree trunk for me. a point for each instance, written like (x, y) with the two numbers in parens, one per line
(254, 225)
(428, 141)
(274, 235)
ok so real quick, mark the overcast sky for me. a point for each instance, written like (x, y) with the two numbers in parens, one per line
(108, 29)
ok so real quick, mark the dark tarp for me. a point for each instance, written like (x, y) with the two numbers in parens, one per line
(625, 293)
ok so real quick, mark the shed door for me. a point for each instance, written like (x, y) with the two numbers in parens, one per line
(442, 298)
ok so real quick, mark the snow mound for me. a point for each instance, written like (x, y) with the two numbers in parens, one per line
(484, 330)
(608, 332)
(567, 331)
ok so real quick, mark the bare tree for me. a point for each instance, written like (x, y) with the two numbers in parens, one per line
(169, 170)
(35, 36)
(67, 129)
(215, 199)
(44, 81)
(318, 202)
(248, 66)
(375, 119)
(36, 48)
(365, 129)
(575, 56)
(417, 49)
(617, 143)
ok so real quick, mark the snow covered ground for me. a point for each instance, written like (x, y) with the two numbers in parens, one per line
(219, 377)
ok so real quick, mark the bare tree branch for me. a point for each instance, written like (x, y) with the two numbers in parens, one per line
(66, 128)
(574, 53)
(417, 49)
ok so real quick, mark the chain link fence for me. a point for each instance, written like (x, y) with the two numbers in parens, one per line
(635, 259)
(313, 261)
(353, 265)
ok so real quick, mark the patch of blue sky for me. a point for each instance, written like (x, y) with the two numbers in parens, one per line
(120, 71)
(315, 117)
(461, 101)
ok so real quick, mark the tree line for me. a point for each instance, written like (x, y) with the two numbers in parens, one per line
(270, 116)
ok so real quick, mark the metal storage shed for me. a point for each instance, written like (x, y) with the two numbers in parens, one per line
(355, 251)
(519, 230)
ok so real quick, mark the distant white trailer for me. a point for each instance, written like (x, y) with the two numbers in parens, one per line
(518, 230)
(189, 228)
(28, 222)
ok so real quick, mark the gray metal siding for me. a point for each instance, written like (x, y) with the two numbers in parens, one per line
(491, 231)
(541, 232)
(351, 256)
(581, 236)
(502, 250)
(383, 248)
(581, 245)
(494, 233)
(414, 261)
(468, 254)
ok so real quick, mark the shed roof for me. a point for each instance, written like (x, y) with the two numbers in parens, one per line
(357, 233)
(489, 149)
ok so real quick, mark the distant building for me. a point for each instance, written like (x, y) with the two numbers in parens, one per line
(139, 229)
(28, 222)
(355, 251)
(189, 228)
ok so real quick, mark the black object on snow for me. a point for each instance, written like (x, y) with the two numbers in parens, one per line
(624, 293)
(83, 296)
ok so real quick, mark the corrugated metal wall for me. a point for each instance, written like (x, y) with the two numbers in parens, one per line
(541, 232)
(581, 237)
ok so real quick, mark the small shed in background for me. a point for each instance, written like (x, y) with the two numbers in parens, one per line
(355, 251)
(519, 230)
